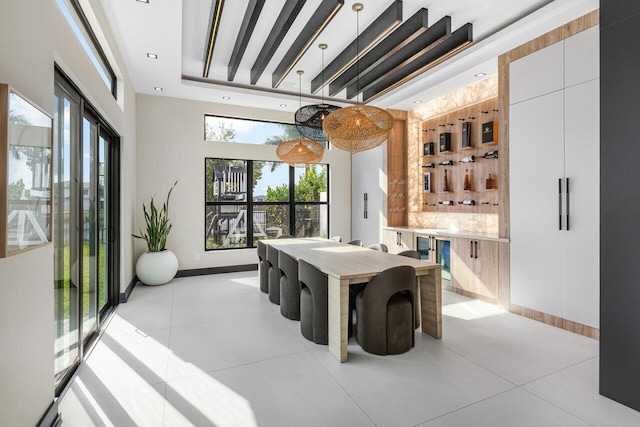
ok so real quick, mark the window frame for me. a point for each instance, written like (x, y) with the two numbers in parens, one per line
(292, 203)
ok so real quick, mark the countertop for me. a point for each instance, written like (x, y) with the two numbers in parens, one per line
(450, 233)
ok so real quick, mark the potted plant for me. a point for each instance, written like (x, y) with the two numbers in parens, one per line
(158, 265)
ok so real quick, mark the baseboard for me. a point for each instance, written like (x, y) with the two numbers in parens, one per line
(558, 322)
(468, 294)
(217, 270)
(124, 296)
(51, 418)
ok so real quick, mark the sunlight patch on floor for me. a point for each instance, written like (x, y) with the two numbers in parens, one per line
(471, 310)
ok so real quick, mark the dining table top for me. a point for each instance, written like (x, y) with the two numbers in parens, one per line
(344, 261)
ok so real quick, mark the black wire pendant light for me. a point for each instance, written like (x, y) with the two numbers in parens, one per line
(309, 118)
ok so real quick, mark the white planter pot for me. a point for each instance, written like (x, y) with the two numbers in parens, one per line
(157, 268)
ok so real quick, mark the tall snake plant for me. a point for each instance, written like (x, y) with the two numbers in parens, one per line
(158, 225)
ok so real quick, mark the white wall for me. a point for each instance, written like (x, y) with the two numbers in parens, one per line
(171, 147)
(33, 33)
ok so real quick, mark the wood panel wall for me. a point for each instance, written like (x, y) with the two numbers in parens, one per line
(397, 170)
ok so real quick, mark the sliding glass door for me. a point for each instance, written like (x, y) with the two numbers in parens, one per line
(84, 249)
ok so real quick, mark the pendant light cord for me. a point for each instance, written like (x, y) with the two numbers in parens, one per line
(357, 56)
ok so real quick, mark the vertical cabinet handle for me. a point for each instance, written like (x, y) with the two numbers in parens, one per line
(366, 205)
(567, 200)
(559, 203)
(476, 247)
(471, 249)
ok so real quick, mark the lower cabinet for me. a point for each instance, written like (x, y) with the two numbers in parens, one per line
(397, 241)
(474, 266)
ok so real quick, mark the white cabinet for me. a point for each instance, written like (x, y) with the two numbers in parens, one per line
(554, 188)
(366, 178)
(397, 240)
(537, 74)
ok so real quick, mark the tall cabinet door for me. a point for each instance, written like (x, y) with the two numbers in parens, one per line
(536, 145)
(366, 173)
(582, 169)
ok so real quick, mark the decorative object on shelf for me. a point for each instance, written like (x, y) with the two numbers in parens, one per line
(466, 135)
(491, 183)
(25, 160)
(490, 155)
(158, 265)
(428, 149)
(445, 183)
(468, 159)
(309, 118)
(466, 186)
(360, 127)
(446, 163)
(446, 202)
(427, 182)
(300, 152)
(429, 165)
(467, 202)
(490, 129)
(445, 142)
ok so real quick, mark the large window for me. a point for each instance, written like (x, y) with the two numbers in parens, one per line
(72, 11)
(250, 200)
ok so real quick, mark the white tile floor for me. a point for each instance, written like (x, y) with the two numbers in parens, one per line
(213, 351)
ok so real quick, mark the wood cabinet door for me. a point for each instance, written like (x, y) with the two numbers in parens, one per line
(462, 264)
(390, 238)
(486, 268)
(406, 241)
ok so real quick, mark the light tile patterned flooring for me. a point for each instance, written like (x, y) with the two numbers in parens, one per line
(213, 351)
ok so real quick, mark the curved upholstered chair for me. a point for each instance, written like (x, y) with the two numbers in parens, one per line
(416, 255)
(274, 274)
(314, 303)
(336, 238)
(410, 254)
(289, 287)
(385, 312)
(285, 236)
(356, 243)
(378, 247)
(263, 266)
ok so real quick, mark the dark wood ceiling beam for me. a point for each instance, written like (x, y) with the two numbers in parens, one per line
(288, 14)
(385, 23)
(455, 43)
(403, 56)
(216, 15)
(318, 21)
(399, 38)
(244, 35)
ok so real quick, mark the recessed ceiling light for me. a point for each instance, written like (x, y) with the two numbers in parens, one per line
(152, 56)
(283, 105)
(159, 89)
(480, 75)
(226, 98)
(417, 102)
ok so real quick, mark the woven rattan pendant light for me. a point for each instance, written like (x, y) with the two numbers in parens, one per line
(309, 118)
(300, 152)
(360, 127)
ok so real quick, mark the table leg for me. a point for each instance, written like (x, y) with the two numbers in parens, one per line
(431, 301)
(338, 317)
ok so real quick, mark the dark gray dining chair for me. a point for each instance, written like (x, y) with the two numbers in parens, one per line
(385, 311)
(381, 247)
(289, 287)
(263, 266)
(416, 255)
(336, 238)
(274, 275)
(356, 243)
(314, 303)
(285, 236)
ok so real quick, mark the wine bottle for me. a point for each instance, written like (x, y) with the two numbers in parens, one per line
(467, 202)
(446, 202)
(467, 182)
(445, 182)
(446, 163)
(429, 165)
(468, 159)
(490, 155)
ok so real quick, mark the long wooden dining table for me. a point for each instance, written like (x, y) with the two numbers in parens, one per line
(348, 264)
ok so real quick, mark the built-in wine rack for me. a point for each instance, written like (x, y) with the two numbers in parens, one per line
(452, 146)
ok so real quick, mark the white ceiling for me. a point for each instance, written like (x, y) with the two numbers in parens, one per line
(177, 32)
